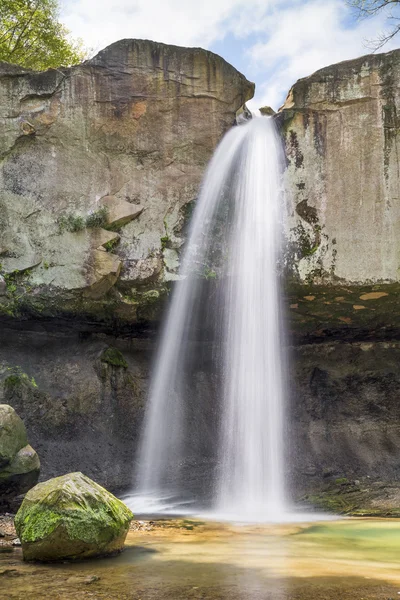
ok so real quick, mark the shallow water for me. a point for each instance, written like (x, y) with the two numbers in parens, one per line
(349, 559)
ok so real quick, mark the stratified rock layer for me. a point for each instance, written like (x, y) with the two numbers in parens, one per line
(71, 517)
(118, 142)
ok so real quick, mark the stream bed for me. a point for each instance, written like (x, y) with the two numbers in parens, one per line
(185, 559)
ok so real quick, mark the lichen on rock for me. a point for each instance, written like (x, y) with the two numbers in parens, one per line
(71, 517)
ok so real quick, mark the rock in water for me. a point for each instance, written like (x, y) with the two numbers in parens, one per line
(71, 517)
(19, 463)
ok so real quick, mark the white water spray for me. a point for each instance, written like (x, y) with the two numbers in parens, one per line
(244, 174)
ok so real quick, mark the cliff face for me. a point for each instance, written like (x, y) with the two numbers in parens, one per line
(341, 129)
(99, 165)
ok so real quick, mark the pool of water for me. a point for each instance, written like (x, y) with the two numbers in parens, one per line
(356, 559)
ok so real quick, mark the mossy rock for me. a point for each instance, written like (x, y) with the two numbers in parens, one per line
(12, 434)
(114, 357)
(71, 517)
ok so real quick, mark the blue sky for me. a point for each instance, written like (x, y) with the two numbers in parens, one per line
(273, 42)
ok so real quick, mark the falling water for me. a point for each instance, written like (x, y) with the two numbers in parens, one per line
(244, 175)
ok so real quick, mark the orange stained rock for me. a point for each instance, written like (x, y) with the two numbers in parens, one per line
(373, 295)
(345, 319)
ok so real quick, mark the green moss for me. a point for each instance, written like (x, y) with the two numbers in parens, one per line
(341, 480)
(353, 498)
(114, 357)
(16, 377)
(86, 511)
(165, 240)
(109, 246)
(209, 273)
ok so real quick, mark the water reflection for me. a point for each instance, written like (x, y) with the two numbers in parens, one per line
(181, 560)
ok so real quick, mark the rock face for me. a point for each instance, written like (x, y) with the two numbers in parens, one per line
(119, 142)
(19, 463)
(87, 405)
(341, 129)
(71, 517)
(100, 165)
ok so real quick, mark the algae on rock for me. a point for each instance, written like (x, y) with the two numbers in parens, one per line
(71, 517)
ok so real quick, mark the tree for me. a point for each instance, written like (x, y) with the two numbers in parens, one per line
(32, 36)
(370, 8)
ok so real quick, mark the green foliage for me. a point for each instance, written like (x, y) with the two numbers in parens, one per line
(98, 218)
(109, 246)
(114, 357)
(71, 223)
(16, 376)
(165, 240)
(32, 36)
(74, 223)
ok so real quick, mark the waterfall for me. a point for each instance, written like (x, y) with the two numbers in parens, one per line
(241, 204)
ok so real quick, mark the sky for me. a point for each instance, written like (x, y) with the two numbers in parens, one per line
(272, 42)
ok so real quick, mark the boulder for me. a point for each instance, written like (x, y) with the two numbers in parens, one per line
(19, 463)
(71, 517)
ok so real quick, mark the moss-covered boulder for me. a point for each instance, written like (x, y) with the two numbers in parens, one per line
(12, 434)
(71, 517)
(19, 463)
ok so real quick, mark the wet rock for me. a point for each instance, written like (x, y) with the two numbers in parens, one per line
(89, 579)
(71, 517)
(267, 111)
(10, 573)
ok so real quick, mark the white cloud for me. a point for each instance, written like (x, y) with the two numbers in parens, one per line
(303, 39)
(281, 40)
(182, 22)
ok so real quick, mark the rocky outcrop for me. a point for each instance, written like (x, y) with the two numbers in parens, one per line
(71, 517)
(98, 166)
(341, 129)
(86, 406)
(19, 463)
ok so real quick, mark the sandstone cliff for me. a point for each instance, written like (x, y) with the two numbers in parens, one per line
(341, 129)
(99, 165)
(99, 168)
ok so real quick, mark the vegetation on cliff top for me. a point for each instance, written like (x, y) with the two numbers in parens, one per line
(32, 36)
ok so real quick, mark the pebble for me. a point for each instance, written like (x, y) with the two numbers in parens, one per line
(16, 542)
